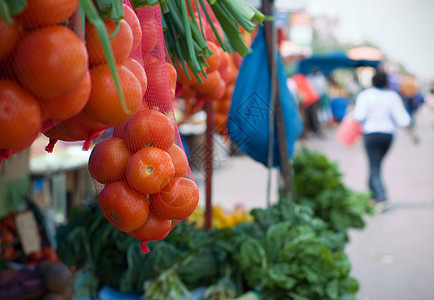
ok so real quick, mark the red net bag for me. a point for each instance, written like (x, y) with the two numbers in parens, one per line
(140, 170)
(44, 71)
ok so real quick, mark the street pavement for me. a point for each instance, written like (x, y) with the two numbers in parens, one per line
(393, 256)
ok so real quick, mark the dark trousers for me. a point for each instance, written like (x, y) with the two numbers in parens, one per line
(311, 113)
(377, 145)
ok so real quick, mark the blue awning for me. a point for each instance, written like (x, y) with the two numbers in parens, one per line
(328, 62)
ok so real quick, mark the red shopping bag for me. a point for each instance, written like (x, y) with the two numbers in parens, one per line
(306, 90)
(349, 131)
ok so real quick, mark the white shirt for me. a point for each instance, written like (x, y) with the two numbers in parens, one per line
(380, 110)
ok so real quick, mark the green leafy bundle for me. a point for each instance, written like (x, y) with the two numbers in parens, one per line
(284, 254)
(289, 251)
(295, 256)
(318, 185)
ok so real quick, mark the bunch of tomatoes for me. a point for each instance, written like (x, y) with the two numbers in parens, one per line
(145, 176)
(220, 73)
(55, 80)
(218, 86)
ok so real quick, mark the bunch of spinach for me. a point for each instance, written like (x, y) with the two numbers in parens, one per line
(284, 254)
(95, 248)
(295, 256)
(318, 185)
(289, 251)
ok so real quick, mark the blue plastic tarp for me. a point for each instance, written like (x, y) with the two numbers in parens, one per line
(249, 115)
(329, 62)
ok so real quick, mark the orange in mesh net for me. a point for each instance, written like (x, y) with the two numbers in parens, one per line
(161, 84)
(214, 60)
(123, 206)
(154, 229)
(149, 128)
(68, 104)
(140, 150)
(104, 103)
(81, 127)
(9, 37)
(149, 170)
(50, 72)
(57, 77)
(108, 160)
(152, 137)
(17, 106)
(177, 200)
(179, 160)
(121, 43)
(133, 21)
(137, 69)
(47, 12)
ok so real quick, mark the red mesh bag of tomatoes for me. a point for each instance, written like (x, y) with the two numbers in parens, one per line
(139, 167)
(44, 70)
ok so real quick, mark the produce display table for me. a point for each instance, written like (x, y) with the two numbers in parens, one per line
(61, 179)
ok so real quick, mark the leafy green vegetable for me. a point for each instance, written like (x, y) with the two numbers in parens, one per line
(296, 257)
(318, 185)
(224, 289)
(166, 286)
(289, 251)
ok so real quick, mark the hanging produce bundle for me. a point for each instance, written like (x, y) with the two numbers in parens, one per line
(62, 104)
(102, 70)
(140, 169)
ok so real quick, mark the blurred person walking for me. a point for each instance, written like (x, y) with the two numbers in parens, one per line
(409, 92)
(429, 98)
(380, 111)
(319, 112)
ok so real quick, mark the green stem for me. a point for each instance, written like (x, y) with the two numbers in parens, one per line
(245, 23)
(115, 31)
(4, 12)
(94, 18)
(210, 21)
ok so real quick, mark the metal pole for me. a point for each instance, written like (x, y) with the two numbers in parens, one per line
(209, 108)
(268, 10)
(270, 35)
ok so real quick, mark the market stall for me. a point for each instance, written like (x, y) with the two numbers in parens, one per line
(127, 74)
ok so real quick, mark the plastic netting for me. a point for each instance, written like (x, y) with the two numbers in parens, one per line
(141, 172)
(44, 74)
(55, 80)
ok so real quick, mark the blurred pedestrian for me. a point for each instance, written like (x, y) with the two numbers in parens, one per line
(429, 98)
(318, 112)
(380, 111)
(354, 87)
(409, 92)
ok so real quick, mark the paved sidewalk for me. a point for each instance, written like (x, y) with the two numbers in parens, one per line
(393, 257)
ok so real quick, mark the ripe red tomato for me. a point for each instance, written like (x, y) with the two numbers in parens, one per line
(47, 12)
(154, 229)
(149, 170)
(179, 160)
(123, 206)
(104, 103)
(9, 37)
(121, 43)
(20, 115)
(52, 70)
(177, 200)
(108, 160)
(149, 128)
